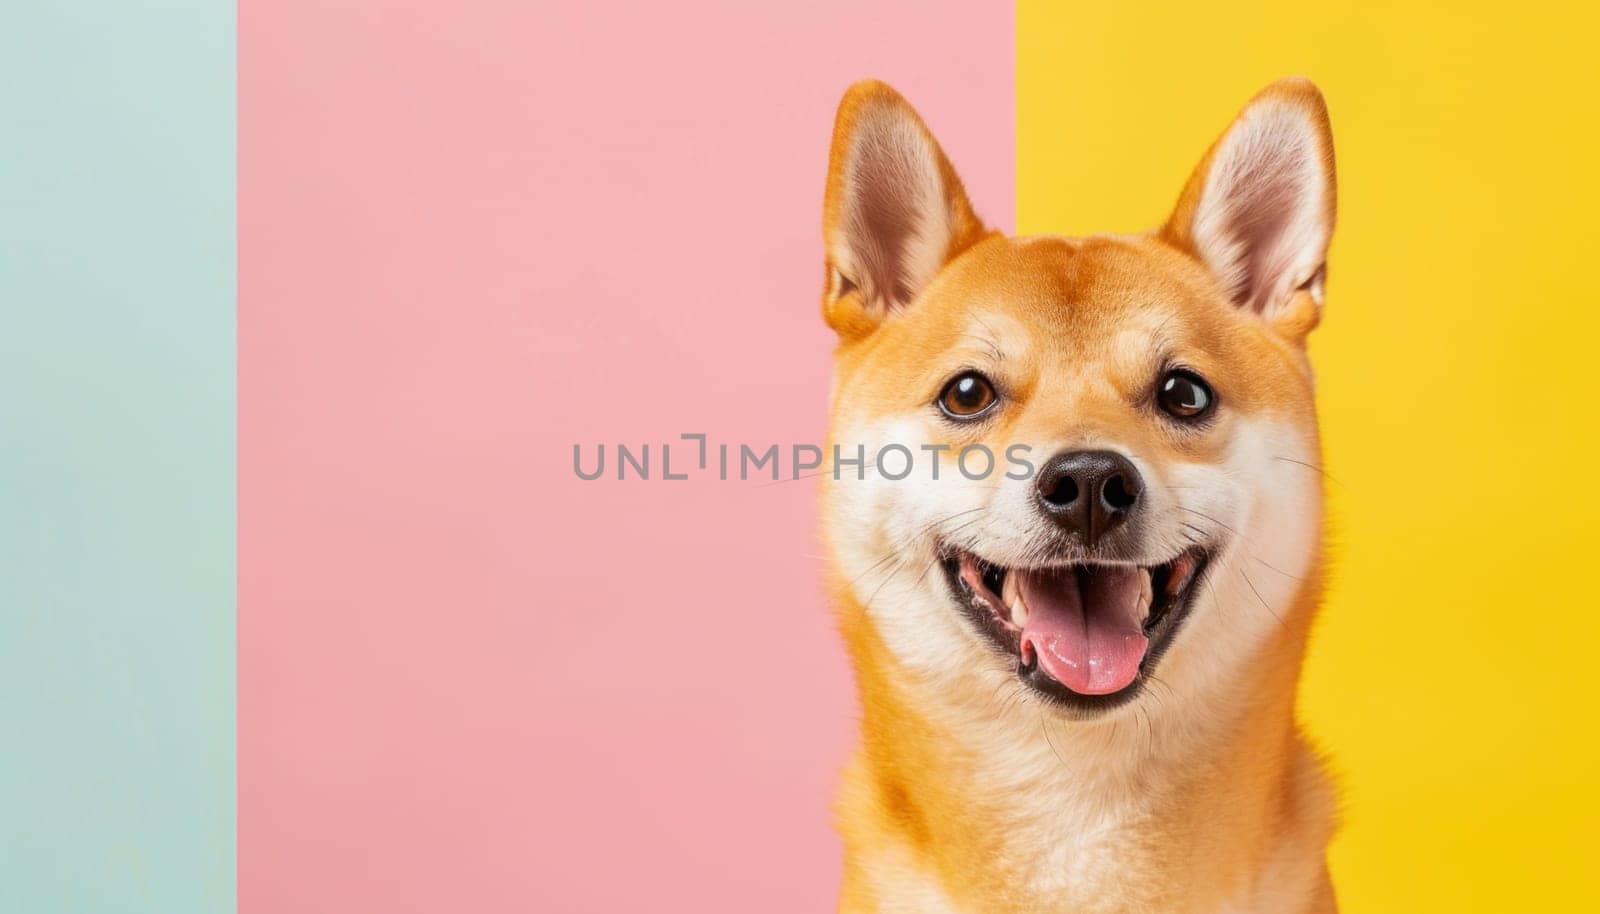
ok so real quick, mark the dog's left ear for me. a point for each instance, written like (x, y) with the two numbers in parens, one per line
(1259, 209)
(894, 212)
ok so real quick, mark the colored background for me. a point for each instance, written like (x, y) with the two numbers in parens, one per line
(116, 456)
(1452, 677)
(473, 235)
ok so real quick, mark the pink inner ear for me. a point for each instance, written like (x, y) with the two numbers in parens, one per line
(882, 217)
(1261, 221)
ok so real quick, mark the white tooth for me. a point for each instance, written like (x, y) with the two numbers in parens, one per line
(1146, 592)
(1011, 596)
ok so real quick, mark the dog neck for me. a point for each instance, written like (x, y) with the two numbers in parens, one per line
(1179, 789)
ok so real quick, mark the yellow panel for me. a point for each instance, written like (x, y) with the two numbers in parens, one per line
(1454, 673)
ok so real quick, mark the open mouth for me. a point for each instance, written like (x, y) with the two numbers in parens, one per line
(1085, 635)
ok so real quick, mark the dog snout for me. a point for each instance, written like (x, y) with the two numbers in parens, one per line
(1088, 492)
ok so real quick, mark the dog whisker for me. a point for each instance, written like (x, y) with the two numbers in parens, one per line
(1261, 599)
(1310, 466)
(1044, 728)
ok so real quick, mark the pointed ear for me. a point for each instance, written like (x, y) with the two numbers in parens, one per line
(894, 213)
(1259, 209)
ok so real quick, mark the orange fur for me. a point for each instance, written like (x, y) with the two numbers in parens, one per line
(967, 793)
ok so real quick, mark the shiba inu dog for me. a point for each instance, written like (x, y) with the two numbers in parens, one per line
(1078, 683)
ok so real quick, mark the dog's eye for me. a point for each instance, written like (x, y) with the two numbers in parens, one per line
(967, 396)
(1183, 394)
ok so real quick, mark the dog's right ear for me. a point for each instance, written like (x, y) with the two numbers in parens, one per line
(894, 213)
(1259, 210)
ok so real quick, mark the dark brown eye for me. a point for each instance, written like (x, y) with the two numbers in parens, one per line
(967, 396)
(1184, 395)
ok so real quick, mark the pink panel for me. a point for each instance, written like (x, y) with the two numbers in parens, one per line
(473, 234)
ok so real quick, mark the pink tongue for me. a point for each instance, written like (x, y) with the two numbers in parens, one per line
(1091, 641)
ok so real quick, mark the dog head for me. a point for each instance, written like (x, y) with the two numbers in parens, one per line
(1088, 463)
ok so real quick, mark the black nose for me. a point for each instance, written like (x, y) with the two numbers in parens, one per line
(1088, 492)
